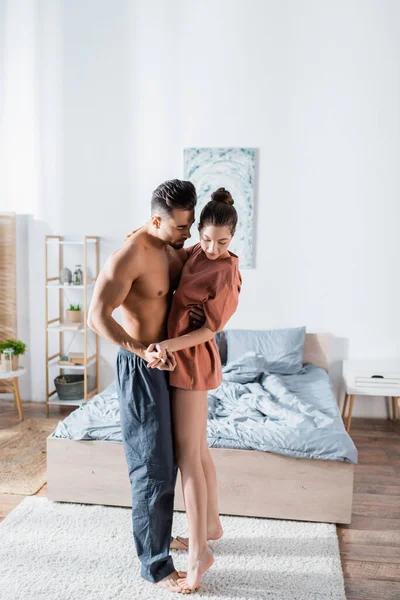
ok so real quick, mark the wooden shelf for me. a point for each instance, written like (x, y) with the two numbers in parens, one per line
(89, 240)
(61, 329)
(56, 400)
(62, 286)
(56, 244)
(77, 367)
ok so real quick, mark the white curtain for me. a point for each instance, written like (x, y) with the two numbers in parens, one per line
(19, 117)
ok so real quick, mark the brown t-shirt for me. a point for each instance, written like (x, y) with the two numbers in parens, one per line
(216, 285)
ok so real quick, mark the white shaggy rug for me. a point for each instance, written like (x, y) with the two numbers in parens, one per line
(57, 551)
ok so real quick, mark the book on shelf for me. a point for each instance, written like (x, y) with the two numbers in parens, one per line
(76, 358)
(65, 362)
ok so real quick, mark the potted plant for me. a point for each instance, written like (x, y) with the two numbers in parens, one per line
(18, 348)
(73, 314)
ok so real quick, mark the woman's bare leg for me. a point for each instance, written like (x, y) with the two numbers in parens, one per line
(214, 527)
(188, 421)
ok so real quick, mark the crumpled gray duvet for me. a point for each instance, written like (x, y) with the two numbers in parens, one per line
(295, 415)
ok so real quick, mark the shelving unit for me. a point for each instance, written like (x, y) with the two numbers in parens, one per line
(55, 325)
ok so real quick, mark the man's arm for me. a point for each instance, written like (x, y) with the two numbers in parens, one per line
(111, 289)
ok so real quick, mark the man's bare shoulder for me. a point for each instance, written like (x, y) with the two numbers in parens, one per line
(131, 255)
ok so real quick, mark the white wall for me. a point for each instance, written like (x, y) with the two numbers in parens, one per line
(86, 57)
(314, 85)
(19, 128)
(2, 93)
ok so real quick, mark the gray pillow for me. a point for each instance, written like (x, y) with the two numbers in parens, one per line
(282, 348)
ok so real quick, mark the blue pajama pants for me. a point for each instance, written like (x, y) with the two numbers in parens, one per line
(146, 425)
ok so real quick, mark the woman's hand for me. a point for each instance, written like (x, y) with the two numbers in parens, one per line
(131, 233)
(164, 360)
(163, 353)
(150, 356)
(170, 364)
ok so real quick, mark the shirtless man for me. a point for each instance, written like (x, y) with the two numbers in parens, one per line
(141, 277)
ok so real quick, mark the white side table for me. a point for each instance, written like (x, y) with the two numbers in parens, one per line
(370, 378)
(14, 376)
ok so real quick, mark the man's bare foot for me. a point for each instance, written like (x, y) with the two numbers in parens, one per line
(182, 543)
(179, 543)
(170, 583)
(197, 566)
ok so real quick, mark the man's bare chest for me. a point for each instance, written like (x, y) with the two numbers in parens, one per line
(160, 277)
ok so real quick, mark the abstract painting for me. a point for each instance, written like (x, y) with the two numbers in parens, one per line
(232, 168)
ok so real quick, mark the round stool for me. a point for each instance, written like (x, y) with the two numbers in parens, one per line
(14, 376)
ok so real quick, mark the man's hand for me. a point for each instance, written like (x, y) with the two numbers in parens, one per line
(167, 363)
(151, 356)
(161, 350)
(197, 316)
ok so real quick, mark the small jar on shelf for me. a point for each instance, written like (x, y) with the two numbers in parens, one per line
(77, 277)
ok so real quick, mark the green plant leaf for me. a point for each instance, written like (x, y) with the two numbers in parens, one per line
(18, 346)
(74, 307)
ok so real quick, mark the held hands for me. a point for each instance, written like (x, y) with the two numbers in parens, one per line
(170, 363)
(160, 358)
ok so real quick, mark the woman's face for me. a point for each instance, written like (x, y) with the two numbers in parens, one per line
(215, 241)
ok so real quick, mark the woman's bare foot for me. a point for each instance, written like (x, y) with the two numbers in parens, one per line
(213, 534)
(170, 583)
(197, 566)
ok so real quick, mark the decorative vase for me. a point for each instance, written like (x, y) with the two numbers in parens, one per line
(65, 276)
(73, 316)
(9, 365)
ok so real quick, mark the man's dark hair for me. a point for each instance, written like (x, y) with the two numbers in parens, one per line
(173, 194)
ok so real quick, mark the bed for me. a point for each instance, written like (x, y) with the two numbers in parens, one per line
(273, 479)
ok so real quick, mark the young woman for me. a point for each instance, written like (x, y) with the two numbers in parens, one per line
(210, 277)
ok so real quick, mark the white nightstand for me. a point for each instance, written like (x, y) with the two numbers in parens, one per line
(371, 378)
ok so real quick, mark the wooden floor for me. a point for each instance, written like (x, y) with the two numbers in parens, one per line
(370, 546)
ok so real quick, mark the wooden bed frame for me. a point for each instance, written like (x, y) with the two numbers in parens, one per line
(251, 482)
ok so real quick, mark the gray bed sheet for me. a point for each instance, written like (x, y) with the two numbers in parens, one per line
(294, 415)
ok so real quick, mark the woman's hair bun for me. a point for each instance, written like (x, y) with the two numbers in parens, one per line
(222, 195)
